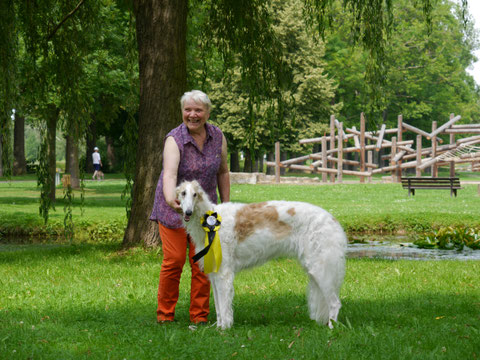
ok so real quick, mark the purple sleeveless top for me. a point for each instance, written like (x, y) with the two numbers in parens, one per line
(194, 164)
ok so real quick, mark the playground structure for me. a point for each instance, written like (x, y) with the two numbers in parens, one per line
(402, 154)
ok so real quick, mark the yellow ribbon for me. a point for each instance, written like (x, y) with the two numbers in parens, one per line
(213, 258)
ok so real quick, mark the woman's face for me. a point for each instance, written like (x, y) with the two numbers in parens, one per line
(195, 115)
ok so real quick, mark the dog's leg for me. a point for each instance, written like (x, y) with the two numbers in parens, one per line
(323, 299)
(317, 302)
(225, 292)
(216, 298)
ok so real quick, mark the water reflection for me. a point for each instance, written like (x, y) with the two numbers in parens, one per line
(392, 248)
(396, 251)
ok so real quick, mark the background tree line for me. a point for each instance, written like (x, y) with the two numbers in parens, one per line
(271, 74)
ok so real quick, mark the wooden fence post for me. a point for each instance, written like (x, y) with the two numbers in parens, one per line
(418, 171)
(452, 141)
(370, 161)
(340, 153)
(434, 169)
(277, 162)
(332, 145)
(362, 146)
(324, 158)
(392, 161)
(399, 139)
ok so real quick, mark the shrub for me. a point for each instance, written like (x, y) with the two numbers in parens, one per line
(450, 238)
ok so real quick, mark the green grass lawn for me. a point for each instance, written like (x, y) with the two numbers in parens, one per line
(95, 302)
(379, 208)
(102, 213)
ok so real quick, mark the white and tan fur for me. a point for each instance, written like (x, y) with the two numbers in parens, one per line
(251, 234)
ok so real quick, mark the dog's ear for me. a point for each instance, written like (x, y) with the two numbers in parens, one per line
(198, 189)
(178, 190)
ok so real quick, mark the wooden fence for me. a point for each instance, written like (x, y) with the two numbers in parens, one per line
(400, 154)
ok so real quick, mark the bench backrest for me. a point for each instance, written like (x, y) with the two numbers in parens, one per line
(440, 182)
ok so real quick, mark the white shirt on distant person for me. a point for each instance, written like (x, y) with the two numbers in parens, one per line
(96, 157)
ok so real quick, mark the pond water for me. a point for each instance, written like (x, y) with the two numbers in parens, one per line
(373, 247)
(394, 250)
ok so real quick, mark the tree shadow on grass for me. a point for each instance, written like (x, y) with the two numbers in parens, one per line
(40, 254)
(90, 200)
(90, 328)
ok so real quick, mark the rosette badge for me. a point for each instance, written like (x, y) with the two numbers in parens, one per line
(212, 253)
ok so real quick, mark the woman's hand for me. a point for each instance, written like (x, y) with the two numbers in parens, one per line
(175, 205)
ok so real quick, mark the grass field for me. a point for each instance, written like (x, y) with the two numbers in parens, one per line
(360, 208)
(95, 302)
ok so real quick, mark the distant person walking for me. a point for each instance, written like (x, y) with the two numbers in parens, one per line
(97, 163)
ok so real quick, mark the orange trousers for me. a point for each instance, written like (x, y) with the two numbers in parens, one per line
(174, 246)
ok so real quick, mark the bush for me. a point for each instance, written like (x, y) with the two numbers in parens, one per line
(450, 238)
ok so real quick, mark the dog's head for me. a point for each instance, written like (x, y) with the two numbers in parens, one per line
(189, 193)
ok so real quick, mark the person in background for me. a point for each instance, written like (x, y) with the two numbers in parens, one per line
(195, 150)
(97, 164)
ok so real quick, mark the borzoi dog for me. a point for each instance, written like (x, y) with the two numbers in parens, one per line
(251, 234)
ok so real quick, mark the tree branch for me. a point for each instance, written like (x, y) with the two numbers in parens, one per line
(65, 19)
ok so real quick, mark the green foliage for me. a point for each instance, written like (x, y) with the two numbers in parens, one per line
(130, 145)
(427, 78)
(68, 226)
(419, 77)
(360, 208)
(450, 238)
(8, 88)
(130, 131)
(299, 103)
(44, 180)
(424, 65)
(82, 184)
(106, 232)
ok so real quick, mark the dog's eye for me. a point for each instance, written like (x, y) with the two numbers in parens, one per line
(183, 193)
(194, 194)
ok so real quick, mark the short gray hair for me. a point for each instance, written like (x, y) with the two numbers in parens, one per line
(197, 96)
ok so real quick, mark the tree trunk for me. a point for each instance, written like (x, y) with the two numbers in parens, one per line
(72, 161)
(255, 163)
(1, 153)
(19, 162)
(283, 156)
(234, 161)
(91, 139)
(247, 165)
(161, 35)
(52, 118)
(68, 149)
(259, 162)
(271, 158)
(112, 162)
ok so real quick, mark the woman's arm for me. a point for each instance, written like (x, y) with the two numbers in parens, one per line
(223, 175)
(171, 160)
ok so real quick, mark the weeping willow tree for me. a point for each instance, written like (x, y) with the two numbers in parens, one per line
(56, 36)
(57, 33)
(235, 27)
(8, 89)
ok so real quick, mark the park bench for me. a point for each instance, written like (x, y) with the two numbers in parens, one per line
(412, 183)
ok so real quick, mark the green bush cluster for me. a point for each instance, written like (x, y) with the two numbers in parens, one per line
(84, 231)
(450, 238)
(106, 232)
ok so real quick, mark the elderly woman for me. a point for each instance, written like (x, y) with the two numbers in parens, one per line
(195, 150)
